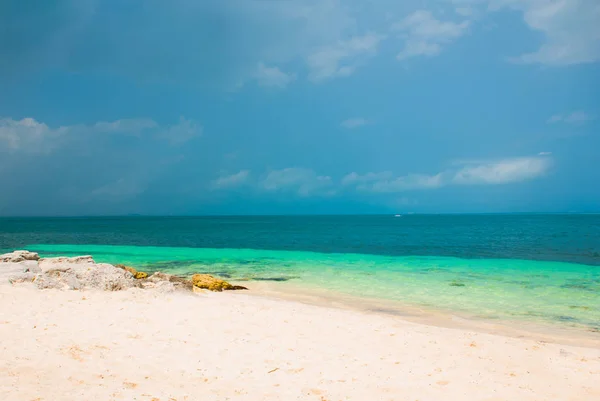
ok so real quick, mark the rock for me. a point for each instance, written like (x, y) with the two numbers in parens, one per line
(82, 272)
(136, 274)
(148, 284)
(64, 263)
(237, 287)
(31, 266)
(9, 270)
(165, 287)
(73, 283)
(179, 283)
(19, 256)
(158, 277)
(22, 278)
(44, 282)
(211, 283)
(104, 276)
(140, 275)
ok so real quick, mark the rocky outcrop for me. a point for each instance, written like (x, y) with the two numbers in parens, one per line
(18, 256)
(82, 272)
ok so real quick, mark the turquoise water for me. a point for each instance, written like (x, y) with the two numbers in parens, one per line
(535, 268)
(557, 292)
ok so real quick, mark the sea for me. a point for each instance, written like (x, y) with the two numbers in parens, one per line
(500, 267)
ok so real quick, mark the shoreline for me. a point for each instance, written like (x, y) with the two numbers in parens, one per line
(547, 332)
(548, 294)
(307, 293)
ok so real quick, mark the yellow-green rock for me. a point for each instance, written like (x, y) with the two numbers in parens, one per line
(208, 282)
(140, 275)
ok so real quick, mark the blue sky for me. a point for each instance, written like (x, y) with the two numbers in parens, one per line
(305, 106)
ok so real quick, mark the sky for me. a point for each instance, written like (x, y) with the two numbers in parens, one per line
(192, 107)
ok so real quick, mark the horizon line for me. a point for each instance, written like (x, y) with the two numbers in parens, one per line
(134, 215)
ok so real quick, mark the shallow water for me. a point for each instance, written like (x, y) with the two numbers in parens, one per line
(550, 292)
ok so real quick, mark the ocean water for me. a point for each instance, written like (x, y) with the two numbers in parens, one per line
(537, 268)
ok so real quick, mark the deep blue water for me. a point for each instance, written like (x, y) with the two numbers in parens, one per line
(565, 238)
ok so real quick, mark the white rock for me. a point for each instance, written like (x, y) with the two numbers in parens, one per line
(79, 273)
(19, 256)
(22, 278)
(10, 269)
(64, 264)
(31, 266)
(165, 287)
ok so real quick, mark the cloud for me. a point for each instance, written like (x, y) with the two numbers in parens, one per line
(425, 35)
(575, 118)
(360, 179)
(544, 153)
(231, 181)
(131, 126)
(273, 76)
(352, 123)
(210, 43)
(467, 173)
(30, 136)
(503, 171)
(302, 181)
(570, 28)
(465, 11)
(385, 182)
(342, 58)
(182, 132)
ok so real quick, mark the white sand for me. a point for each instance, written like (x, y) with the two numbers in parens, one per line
(141, 345)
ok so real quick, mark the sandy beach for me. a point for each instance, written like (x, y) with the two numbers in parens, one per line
(146, 345)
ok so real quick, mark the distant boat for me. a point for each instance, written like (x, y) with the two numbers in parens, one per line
(397, 215)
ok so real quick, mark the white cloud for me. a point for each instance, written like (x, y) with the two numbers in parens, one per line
(273, 76)
(544, 153)
(424, 34)
(182, 132)
(30, 136)
(361, 179)
(468, 173)
(465, 11)
(352, 123)
(387, 182)
(342, 58)
(132, 126)
(503, 171)
(302, 181)
(408, 182)
(570, 28)
(575, 117)
(231, 181)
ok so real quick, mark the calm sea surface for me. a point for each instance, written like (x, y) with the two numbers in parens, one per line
(542, 268)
